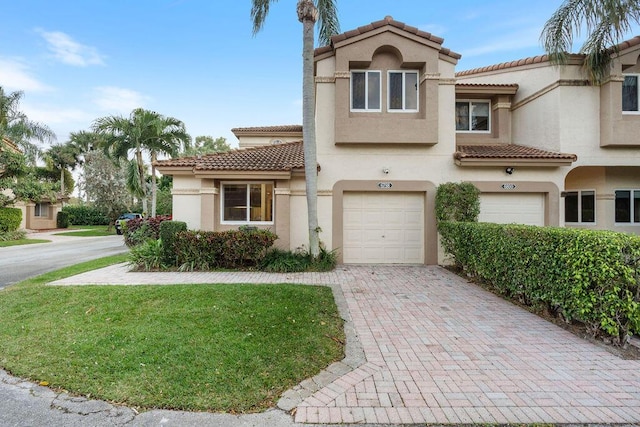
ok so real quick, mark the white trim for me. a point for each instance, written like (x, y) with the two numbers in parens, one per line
(404, 98)
(580, 221)
(631, 112)
(469, 101)
(366, 92)
(248, 203)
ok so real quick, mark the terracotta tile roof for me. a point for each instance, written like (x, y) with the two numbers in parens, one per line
(267, 129)
(627, 44)
(507, 85)
(388, 20)
(509, 151)
(282, 157)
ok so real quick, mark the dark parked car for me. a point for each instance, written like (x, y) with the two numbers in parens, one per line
(122, 219)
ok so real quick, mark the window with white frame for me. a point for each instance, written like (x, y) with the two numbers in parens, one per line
(403, 91)
(365, 90)
(473, 116)
(580, 207)
(627, 204)
(630, 93)
(41, 210)
(247, 202)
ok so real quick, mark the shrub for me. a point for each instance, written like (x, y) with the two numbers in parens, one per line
(457, 202)
(62, 220)
(147, 256)
(10, 219)
(584, 275)
(281, 261)
(85, 215)
(138, 230)
(168, 232)
(206, 250)
(7, 236)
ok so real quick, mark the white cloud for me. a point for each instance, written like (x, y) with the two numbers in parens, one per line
(435, 29)
(120, 100)
(15, 75)
(55, 115)
(69, 51)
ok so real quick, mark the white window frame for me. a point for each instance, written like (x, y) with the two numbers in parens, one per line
(637, 76)
(366, 108)
(248, 203)
(631, 208)
(404, 108)
(37, 210)
(470, 101)
(580, 221)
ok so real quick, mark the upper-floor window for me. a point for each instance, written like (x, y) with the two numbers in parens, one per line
(630, 93)
(473, 116)
(580, 206)
(403, 91)
(628, 206)
(41, 210)
(247, 202)
(365, 90)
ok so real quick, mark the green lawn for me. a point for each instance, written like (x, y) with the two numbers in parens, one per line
(22, 242)
(231, 348)
(88, 231)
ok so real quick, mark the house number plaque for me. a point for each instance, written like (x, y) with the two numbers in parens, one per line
(508, 186)
(385, 185)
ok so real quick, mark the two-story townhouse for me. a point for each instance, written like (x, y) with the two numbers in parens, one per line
(394, 121)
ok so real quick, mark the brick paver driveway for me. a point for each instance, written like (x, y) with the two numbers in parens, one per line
(436, 349)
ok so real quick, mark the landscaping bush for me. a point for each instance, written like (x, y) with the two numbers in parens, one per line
(62, 220)
(85, 215)
(8, 236)
(584, 275)
(138, 230)
(168, 232)
(207, 250)
(10, 219)
(457, 201)
(281, 261)
(147, 256)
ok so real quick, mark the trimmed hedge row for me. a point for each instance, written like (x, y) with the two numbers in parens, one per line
(85, 215)
(10, 219)
(206, 250)
(584, 275)
(138, 230)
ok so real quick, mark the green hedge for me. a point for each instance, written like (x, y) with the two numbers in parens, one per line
(168, 232)
(584, 275)
(85, 215)
(206, 250)
(10, 219)
(62, 220)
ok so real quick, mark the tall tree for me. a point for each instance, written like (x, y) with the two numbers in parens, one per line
(16, 126)
(207, 145)
(61, 157)
(142, 132)
(309, 12)
(606, 22)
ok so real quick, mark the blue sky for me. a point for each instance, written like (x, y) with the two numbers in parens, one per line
(197, 60)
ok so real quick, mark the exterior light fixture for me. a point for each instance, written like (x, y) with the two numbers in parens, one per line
(509, 170)
(385, 171)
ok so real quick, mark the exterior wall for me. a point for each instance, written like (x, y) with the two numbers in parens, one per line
(187, 201)
(47, 222)
(247, 141)
(618, 129)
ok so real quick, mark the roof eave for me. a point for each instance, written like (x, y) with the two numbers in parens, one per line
(513, 162)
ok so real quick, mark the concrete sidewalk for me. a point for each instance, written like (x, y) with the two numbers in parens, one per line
(428, 347)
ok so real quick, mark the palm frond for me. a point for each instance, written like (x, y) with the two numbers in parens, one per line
(259, 12)
(328, 22)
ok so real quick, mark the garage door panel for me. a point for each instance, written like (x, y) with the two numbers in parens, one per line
(518, 208)
(383, 228)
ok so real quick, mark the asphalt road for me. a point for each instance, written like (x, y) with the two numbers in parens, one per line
(21, 262)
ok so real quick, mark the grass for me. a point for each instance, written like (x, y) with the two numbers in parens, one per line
(22, 242)
(232, 348)
(89, 231)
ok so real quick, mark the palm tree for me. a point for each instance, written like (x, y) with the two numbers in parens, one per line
(325, 13)
(16, 126)
(63, 157)
(606, 23)
(142, 132)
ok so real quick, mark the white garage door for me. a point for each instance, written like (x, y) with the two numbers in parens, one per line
(521, 208)
(383, 228)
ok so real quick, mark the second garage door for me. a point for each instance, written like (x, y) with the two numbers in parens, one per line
(522, 208)
(383, 228)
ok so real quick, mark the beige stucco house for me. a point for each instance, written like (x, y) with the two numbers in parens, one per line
(35, 215)
(394, 120)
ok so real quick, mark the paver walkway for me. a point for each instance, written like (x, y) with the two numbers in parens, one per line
(439, 350)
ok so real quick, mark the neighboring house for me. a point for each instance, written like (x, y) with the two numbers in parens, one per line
(35, 215)
(394, 120)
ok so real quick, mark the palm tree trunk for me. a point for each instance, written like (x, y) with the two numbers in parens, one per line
(308, 14)
(154, 157)
(143, 183)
